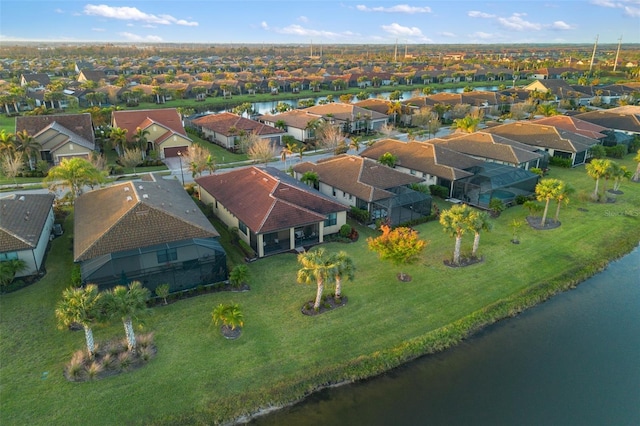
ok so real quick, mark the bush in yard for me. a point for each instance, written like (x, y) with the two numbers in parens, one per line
(345, 230)
(439, 191)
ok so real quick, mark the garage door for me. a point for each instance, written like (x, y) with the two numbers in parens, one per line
(173, 151)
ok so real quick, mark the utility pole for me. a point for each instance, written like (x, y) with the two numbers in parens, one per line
(395, 53)
(593, 55)
(615, 64)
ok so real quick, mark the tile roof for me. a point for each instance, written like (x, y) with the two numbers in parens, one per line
(426, 157)
(132, 215)
(132, 119)
(486, 145)
(56, 129)
(574, 124)
(363, 177)
(295, 118)
(22, 218)
(80, 124)
(543, 136)
(625, 119)
(221, 123)
(268, 200)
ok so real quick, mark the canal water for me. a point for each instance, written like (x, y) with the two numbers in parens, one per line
(573, 360)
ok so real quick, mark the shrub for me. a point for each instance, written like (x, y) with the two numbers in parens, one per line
(76, 277)
(109, 362)
(560, 162)
(94, 369)
(439, 191)
(145, 353)
(144, 340)
(345, 230)
(125, 359)
(496, 205)
(521, 199)
(618, 151)
(360, 215)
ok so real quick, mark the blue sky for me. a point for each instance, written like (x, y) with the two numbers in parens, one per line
(321, 21)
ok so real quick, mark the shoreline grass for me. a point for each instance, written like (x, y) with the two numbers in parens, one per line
(198, 377)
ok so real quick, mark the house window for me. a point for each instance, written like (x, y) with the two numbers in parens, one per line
(9, 256)
(165, 256)
(331, 220)
(242, 227)
(413, 172)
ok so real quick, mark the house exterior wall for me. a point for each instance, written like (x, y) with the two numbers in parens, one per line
(428, 179)
(175, 141)
(33, 258)
(70, 150)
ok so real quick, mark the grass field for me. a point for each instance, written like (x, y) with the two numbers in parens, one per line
(198, 377)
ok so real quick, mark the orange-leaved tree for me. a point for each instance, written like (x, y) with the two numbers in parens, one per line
(401, 246)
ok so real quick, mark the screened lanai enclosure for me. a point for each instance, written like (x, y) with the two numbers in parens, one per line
(405, 206)
(494, 181)
(182, 264)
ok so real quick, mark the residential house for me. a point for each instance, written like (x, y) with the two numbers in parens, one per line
(623, 123)
(34, 82)
(575, 125)
(493, 148)
(98, 77)
(368, 185)
(432, 163)
(555, 141)
(297, 123)
(60, 136)
(166, 132)
(225, 128)
(272, 211)
(559, 89)
(26, 221)
(150, 231)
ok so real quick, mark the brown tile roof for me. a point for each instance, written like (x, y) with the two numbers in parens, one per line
(615, 119)
(268, 200)
(221, 123)
(426, 157)
(363, 177)
(132, 215)
(486, 145)
(574, 124)
(22, 219)
(132, 119)
(80, 124)
(543, 136)
(296, 118)
(342, 111)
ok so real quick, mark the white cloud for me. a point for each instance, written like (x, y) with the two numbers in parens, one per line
(516, 23)
(561, 25)
(400, 8)
(399, 30)
(264, 25)
(99, 30)
(303, 19)
(477, 14)
(59, 10)
(630, 7)
(134, 14)
(301, 31)
(447, 34)
(136, 37)
(482, 36)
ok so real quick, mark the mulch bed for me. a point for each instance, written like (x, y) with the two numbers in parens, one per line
(328, 304)
(536, 223)
(405, 278)
(464, 261)
(230, 333)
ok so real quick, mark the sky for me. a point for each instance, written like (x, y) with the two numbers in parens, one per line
(321, 21)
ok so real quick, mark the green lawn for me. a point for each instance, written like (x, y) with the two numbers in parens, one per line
(198, 377)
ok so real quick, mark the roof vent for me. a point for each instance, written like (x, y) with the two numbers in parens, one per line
(126, 189)
(265, 179)
(140, 187)
(21, 198)
(129, 198)
(145, 195)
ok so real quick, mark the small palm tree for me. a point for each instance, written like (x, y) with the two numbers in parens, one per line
(562, 196)
(547, 190)
(345, 269)
(80, 306)
(163, 291)
(597, 169)
(128, 303)
(455, 223)
(238, 275)
(316, 266)
(478, 221)
(230, 316)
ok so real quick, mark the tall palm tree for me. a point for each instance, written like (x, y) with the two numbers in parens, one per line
(80, 306)
(316, 266)
(455, 223)
(394, 109)
(28, 146)
(7, 142)
(345, 269)
(597, 169)
(562, 196)
(547, 190)
(141, 140)
(118, 138)
(75, 173)
(128, 303)
(466, 124)
(478, 221)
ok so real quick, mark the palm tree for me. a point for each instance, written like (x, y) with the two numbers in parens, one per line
(7, 142)
(27, 145)
(455, 223)
(394, 109)
(636, 175)
(597, 169)
(478, 221)
(562, 196)
(140, 138)
(229, 315)
(75, 173)
(316, 266)
(345, 269)
(9, 269)
(286, 151)
(466, 124)
(80, 306)
(128, 303)
(547, 190)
